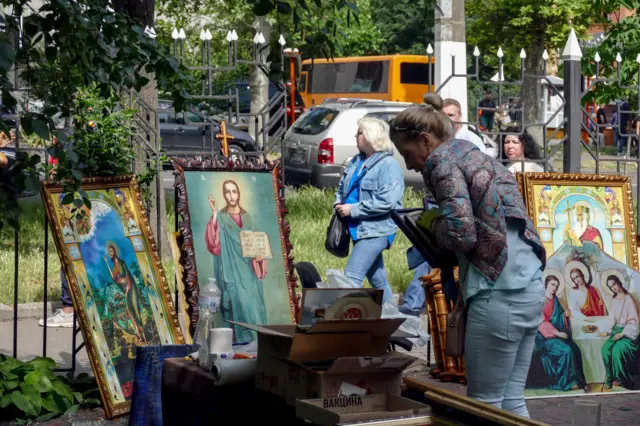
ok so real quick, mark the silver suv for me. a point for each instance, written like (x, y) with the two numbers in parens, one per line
(322, 141)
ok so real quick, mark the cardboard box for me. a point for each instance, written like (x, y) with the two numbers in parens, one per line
(355, 351)
(335, 411)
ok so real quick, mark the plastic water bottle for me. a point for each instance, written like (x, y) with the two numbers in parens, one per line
(208, 304)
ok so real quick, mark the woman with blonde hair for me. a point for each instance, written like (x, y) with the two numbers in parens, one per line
(482, 219)
(371, 186)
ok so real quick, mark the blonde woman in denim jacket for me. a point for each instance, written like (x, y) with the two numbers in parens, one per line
(371, 186)
(482, 219)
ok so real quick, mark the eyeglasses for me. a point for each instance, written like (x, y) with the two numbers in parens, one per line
(398, 129)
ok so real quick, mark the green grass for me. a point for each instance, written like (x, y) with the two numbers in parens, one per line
(310, 210)
(309, 213)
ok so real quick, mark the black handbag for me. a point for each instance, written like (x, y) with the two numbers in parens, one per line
(338, 238)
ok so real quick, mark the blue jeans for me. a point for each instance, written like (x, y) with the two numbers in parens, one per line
(65, 295)
(414, 297)
(621, 142)
(366, 261)
(146, 400)
(499, 341)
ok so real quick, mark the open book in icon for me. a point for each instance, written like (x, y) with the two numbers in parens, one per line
(255, 244)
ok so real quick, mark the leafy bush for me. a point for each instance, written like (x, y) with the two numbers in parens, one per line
(31, 391)
(99, 143)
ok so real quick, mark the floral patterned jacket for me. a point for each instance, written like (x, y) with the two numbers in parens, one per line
(475, 194)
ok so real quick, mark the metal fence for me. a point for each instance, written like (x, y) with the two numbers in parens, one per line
(566, 126)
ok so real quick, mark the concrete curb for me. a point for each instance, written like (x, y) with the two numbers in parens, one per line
(35, 310)
(28, 310)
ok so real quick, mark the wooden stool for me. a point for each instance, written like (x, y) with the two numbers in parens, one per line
(447, 368)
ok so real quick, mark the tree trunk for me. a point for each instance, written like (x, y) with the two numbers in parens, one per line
(259, 83)
(532, 88)
(148, 128)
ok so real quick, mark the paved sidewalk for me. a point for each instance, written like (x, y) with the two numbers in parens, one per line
(617, 409)
(30, 343)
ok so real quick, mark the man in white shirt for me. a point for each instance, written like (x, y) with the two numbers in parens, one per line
(452, 108)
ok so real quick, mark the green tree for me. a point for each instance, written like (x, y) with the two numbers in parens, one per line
(67, 45)
(622, 38)
(406, 26)
(532, 25)
(364, 38)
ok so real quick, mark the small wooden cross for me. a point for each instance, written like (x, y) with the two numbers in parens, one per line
(224, 137)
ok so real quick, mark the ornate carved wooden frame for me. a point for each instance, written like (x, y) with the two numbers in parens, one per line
(127, 181)
(225, 164)
(528, 180)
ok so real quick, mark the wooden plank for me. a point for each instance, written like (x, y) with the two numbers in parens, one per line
(469, 405)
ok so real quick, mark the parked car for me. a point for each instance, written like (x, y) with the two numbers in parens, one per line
(191, 131)
(321, 142)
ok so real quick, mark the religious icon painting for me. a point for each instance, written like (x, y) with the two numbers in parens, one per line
(119, 290)
(231, 216)
(578, 208)
(589, 340)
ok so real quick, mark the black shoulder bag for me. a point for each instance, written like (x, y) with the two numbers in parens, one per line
(338, 238)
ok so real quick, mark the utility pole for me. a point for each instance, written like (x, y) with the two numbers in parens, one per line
(450, 41)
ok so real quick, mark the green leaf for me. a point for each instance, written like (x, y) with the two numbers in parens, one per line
(7, 56)
(6, 372)
(78, 396)
(28, 401)
(50, 404)
(39, 381)
(5, 401)
(353, 7)
(11, 384)
(32, 123)
(77, 174)
(263, 7)
(91, 401)
(284, 8)
(73, 409)
(87, 202)
(71, 154)
(77, 202)
(51, 52)
(47, 416)
(68, 198)
(42, 364)
(63, 390)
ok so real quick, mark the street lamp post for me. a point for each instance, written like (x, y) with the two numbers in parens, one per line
(292, 54)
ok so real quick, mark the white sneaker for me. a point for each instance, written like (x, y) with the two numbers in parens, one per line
(58, 319)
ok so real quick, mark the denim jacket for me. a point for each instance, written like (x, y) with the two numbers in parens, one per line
(381, 191)
(476, 194)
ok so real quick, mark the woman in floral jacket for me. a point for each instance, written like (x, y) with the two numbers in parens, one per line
(481, 218)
